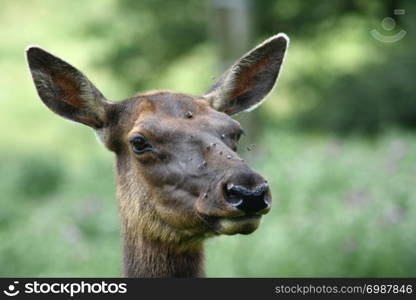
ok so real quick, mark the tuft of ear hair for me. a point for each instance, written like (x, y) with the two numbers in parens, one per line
(65, 90)
(250, 79)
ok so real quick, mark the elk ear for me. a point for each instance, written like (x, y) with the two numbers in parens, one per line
(250, 79)
(65, 90)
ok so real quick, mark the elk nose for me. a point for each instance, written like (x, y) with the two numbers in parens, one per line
(250, 201)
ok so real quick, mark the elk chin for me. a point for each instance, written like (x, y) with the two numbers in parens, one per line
(242, 225)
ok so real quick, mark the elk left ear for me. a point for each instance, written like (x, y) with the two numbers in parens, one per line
(244, 85)
(65, 90)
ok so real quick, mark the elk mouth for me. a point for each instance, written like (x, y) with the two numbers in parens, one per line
(242, 225)
(233, 225)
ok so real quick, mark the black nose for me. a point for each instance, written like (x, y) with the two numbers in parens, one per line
(248, 200)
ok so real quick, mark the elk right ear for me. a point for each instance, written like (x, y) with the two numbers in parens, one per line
(245, 85)
(65, 90)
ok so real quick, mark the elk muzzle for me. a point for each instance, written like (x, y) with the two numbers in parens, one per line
(244, 197)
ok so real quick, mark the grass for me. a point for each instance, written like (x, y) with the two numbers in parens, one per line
(342, 207)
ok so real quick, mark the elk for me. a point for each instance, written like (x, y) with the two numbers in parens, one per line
(179, 178)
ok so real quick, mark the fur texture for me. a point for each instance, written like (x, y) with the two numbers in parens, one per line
(173, 185)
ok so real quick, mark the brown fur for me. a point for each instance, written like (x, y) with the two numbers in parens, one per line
(180, 188)
(152, 226)
(68, 89)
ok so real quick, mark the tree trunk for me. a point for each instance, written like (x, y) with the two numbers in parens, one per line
(231, 29)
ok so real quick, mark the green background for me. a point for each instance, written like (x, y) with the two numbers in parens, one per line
(335, 138)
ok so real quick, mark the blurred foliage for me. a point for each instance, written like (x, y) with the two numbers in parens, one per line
(344, 83)
(148, 35)
(343, 205)
(37, 177)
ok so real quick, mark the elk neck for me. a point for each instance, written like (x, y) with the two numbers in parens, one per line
(145, 258)
(152, 248)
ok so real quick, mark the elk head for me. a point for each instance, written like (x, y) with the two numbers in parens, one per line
(179, 176)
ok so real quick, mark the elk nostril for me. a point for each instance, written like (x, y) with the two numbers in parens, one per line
(247, 200)
(232, 195)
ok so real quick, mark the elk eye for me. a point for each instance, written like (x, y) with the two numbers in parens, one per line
(140, 144)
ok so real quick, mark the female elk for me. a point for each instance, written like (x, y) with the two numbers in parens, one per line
(179, 179)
